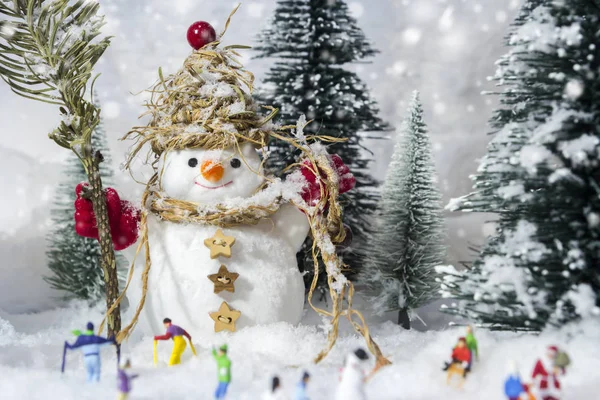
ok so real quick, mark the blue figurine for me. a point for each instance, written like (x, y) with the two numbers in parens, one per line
(301, 387)
(90, 345)
(513, 387)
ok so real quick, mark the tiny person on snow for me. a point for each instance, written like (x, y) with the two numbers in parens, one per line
(513, 387)
(176, 333)
(223, 371)
(472, 345)
(276, 391)
(460, 355)
(301, 387)
(90, 345)
(124, 381)
(352, 383)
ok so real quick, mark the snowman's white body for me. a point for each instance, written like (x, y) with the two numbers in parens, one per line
(269, 288)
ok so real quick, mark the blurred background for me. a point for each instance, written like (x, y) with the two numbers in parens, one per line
(444, 48)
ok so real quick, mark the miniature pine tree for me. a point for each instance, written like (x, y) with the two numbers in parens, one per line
(73, 259)
(408, 241)
(541, 176)
(311, 40)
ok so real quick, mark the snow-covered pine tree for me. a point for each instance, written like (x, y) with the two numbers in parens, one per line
(408, 242)
(73, 259)
(311, 40)
(541, 175)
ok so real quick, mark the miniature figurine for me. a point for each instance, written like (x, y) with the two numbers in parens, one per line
(276, 392)
(460, 363)
(124, 381)
(224, 371)
(176, 333)
(545, 375)
(461, 356)
(513, 388)
(90, 345)
(472, 344)
(527, 393)
(301, 387)
(352, 383)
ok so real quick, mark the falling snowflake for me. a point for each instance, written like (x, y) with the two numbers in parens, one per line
(574, 89)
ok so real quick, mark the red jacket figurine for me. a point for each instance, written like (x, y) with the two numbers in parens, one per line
(461, 353)
(545, 375)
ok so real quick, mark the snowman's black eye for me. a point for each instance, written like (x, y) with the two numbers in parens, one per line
(193, 162)
(235, 163)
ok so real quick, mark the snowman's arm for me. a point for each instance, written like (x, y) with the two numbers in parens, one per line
(292, 224)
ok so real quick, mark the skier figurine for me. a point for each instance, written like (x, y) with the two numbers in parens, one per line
(472, 344)
(223, 371)
(513, 387)
(176, 333)
(124, 381)
(352, 383)
(301, 387)
(545, 375)
(90, 345)
(461, 356)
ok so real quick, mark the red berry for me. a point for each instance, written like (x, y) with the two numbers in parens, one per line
(200, 34)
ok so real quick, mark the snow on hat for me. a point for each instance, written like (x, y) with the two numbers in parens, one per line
(90, 326)
(206, 104)
(553, 349)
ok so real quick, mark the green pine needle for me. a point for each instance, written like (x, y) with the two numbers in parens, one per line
(48, 50)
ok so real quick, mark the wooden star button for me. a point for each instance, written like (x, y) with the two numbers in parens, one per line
(225, 318)
(219, 244)
(224, 280)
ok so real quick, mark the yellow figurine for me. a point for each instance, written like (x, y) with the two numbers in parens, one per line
(177, 334)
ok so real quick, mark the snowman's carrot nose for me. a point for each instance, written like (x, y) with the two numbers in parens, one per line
(212, 171)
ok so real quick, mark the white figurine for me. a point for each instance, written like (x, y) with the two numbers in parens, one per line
(352, 384)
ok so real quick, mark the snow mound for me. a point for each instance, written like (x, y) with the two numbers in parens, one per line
(31, 347)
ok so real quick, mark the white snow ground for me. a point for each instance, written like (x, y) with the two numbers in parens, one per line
(31, 347)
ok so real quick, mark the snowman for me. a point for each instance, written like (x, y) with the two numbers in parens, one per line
(221, 235)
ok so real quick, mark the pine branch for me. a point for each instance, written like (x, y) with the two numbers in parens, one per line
(75, 261)
(49, 49)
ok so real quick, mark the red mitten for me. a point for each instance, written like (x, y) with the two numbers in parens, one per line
(113, 207)
(85, 219)
(346, 179)
(312, 192)
(122, 216)
(127, 229)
